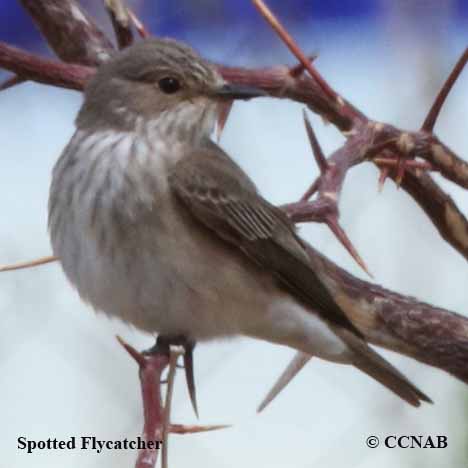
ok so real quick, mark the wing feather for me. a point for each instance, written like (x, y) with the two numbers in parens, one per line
(220, 195)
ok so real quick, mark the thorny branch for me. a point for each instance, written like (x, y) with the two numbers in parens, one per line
(121, 22)
(278, 82)
(28, 66)
(429, 334)
(157, 423)
(69, 30)
(31, 264)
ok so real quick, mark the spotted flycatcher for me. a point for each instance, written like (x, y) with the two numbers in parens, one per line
(155, 224)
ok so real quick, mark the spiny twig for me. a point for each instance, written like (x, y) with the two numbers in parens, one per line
(32, 67)
(429, 122)
(189, 375)
(70, 31)
(294, 48)
(297, 70)
(121, 20)
(293, 368)
(157, 426)
(316, 149)
(139, 26)
(432, 335)
(184, 429)
(30, 264)
(151, 366)
(174, 356)
(330, 218)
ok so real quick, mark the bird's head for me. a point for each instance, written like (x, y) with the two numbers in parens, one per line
(157, 80)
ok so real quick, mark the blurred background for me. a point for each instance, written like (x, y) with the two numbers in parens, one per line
(64, 374)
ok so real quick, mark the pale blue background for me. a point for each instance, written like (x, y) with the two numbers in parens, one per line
(63, 372)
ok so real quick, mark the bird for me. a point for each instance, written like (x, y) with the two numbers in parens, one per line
(155, 224)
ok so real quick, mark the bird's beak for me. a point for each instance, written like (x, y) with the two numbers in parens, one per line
(235, 91)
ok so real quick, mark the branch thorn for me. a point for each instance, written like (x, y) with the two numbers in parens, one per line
(30, 264)
(316, 149)
(297, 70)
(188, 367)
(311, 190)
(136, 355)
(292, 45)
(139, 26)
(333, 224)
(430, 121)
(384, 171)
(400, 171)
(184, 429)
(293, 368)
(120, 19)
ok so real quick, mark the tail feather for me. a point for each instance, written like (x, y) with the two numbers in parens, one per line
(374, 365)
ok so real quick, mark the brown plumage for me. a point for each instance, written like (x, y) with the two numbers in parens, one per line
(155, 224)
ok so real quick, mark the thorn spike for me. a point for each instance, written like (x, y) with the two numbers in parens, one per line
(294, 367)
(335, 227)
(292, 45)
(400, 171)
(120, 19)
(30, 264)
(138, 357)
(142, 31)
(184, 429)
(298, 70)
(383, 177)
(311, 190)
(430, 121)
(316, 149)
(188, 366)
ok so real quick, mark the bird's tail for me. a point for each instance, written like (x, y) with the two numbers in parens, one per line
(374, 365)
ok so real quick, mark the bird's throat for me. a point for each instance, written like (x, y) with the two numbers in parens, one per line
(191, 122)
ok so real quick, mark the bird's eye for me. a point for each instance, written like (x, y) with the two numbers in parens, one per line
(169, 85)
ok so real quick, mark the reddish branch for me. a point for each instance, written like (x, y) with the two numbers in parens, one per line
(30, 264)
(278, 82)
(157, 425)
(70, 32)
(31, 67)
(429, 122)
(431, 335)
(151, 366)
(121, 22)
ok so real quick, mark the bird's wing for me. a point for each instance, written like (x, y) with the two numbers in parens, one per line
(220, 195)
